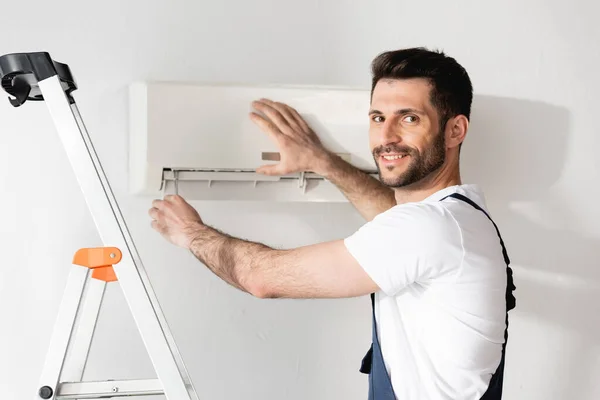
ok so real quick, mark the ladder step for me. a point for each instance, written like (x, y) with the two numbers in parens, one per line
(103, 389)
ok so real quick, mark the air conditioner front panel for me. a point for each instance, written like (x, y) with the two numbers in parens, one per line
(179, 126)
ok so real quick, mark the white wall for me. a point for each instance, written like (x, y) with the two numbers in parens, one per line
(532, 146)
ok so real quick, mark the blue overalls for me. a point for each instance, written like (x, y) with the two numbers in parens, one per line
(380, 385)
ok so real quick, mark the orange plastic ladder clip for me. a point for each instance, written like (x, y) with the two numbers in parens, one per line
(100, 260)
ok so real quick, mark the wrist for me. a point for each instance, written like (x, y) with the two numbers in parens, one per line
(325, 163)
(194, 233)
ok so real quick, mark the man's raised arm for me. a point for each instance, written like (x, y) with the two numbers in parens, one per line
(301, 150)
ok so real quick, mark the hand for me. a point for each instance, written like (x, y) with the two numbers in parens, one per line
(299, 147)
(175, 220)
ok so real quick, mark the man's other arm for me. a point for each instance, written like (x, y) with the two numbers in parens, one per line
(323, 270)
(301, 150)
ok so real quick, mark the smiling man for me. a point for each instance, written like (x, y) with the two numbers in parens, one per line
(430, 256)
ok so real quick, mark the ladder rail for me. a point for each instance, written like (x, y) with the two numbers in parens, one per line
(36, 77)
(82, 341)
(109, 222)
(63, 329)
(132, 249)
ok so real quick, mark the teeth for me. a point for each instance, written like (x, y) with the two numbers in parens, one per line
(392, 157)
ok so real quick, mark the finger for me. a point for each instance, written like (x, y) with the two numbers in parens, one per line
(153, 212)
(285, 111)
(181, 199)
(266, 126)
(157, 203)
(303, 124)
(276, 117)
(273, 169)
(157, 226)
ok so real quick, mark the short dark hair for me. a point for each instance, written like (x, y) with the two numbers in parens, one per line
(452, 91)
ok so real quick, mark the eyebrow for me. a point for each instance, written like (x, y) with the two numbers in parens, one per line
(401, 111)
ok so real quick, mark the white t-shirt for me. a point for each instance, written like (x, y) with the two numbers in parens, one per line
(441, 309)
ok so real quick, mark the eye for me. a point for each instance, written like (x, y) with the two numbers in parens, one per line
(411, 119)
(377, 118)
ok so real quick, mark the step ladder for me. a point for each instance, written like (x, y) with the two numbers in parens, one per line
(36, 77)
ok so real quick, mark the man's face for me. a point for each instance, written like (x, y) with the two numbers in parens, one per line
(404, 132)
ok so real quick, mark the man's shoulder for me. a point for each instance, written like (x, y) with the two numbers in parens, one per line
(413, 211)
(421, 212)
(440, 213)
(420, 219)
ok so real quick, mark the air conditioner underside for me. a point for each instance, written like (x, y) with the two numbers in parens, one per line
(229, 184)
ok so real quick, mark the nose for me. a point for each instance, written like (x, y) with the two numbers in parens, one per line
(387, 134)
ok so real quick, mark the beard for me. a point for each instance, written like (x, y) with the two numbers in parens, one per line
(421, 165)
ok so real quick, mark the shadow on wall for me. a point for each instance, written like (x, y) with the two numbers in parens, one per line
(516, 148)
(516, 151)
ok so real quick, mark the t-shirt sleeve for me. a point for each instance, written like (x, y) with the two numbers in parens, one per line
(407, 244)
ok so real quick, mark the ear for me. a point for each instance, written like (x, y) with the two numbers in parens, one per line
(456, 130)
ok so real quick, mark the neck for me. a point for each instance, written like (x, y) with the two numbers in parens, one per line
(448, 175)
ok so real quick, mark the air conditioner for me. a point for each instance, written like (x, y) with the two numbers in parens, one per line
(198, 139)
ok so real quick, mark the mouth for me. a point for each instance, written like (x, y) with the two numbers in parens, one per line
(392, 160)
(392, 157)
